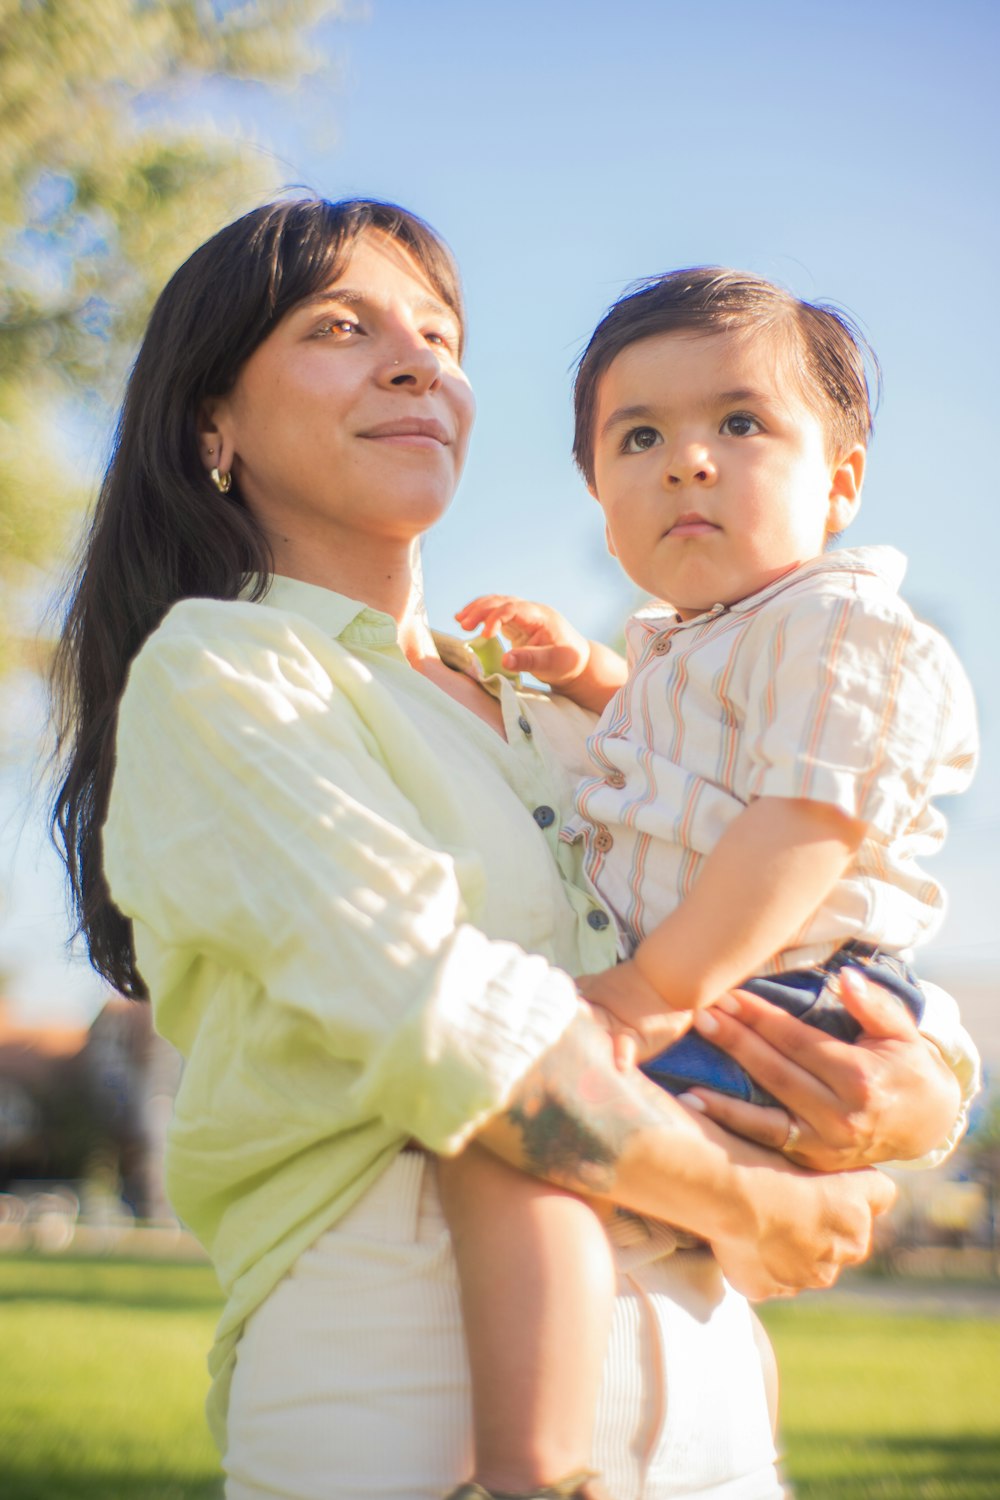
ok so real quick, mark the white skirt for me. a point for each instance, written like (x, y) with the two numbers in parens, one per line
(351, 1380)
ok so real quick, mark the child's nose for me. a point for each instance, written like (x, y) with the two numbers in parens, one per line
(691, 463)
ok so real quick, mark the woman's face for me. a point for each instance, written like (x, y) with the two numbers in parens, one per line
(349, 424)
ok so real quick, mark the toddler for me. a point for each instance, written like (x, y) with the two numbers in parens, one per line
(762, 772)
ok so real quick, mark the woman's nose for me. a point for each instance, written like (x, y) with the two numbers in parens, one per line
(411, 362)
(690, 463)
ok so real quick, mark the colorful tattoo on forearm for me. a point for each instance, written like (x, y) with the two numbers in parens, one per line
(575, 1112)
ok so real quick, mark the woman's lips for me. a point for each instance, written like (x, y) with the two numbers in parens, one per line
(410, 432)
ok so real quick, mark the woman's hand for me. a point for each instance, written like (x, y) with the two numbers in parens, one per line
(576, 1121)
(807, 1230)
(890, 1096)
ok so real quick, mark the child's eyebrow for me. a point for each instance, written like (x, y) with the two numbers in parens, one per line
(725, 397)
(626, 414)
(642, 413)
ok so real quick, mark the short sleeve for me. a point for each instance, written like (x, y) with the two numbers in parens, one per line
(254, 824)
(856, 703)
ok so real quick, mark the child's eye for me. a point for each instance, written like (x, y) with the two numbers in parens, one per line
(741, 424)
(640, 440)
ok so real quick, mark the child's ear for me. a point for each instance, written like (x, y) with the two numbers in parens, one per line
(844, 499)
(607, 529)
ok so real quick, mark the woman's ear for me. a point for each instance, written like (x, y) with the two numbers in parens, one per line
(844, 499)
(214, 449)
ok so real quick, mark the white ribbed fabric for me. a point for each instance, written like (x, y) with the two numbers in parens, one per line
(351, 1380)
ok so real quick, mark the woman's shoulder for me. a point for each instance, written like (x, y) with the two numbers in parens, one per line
(233, 628)
(205, 641)
(209, 620)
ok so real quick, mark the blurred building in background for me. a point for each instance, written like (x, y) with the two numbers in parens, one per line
(84, 1111)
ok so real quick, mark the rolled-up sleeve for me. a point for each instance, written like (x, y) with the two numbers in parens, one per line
(941, 1024)
(255, 824)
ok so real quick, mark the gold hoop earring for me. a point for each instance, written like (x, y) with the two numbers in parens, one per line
(223, 481)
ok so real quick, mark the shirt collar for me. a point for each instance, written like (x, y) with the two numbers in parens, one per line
(356, 624)
(885, 563)
(335, 614)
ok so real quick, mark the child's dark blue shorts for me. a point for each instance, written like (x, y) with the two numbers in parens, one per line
(806, 993)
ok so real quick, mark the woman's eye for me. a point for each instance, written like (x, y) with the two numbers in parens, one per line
(340, 328)
(640, 440)
(441, 340)
(741, 424)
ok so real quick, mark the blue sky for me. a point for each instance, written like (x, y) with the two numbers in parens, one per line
(847, 150)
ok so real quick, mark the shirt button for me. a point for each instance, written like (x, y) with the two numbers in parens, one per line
(544, 816)
(615, 778)
(602, 839)
(661, 645)
(524, 726)
(598, 920)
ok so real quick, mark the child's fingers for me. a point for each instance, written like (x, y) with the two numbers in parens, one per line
(476, 614)
(547, 663)
(624, 1040)
(490, 611)
(625, 1052)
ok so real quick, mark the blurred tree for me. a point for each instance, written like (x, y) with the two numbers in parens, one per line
(102, 193)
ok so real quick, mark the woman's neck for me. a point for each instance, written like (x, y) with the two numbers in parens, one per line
(385, 578)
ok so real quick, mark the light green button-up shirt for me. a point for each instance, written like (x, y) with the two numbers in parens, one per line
(350, 904)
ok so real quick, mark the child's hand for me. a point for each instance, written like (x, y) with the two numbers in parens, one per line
(639, 1020)
(543, 642)
(626, 1043)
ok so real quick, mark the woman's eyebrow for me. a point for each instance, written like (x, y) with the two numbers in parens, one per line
(352, 298)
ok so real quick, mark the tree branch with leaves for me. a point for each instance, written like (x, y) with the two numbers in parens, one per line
(102, 194)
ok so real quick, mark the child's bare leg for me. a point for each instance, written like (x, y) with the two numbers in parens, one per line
(538, 1285)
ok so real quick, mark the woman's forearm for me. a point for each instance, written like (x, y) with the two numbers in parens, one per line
(578, 1122)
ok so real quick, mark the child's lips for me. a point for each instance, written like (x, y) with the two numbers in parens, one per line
(692, 525)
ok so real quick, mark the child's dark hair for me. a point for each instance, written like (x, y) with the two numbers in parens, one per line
(827, 351)
(161, 531)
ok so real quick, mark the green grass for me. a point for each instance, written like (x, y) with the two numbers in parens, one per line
(102, 1379)
(887, 1406)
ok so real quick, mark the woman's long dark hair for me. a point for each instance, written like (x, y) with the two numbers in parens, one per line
(161, 531)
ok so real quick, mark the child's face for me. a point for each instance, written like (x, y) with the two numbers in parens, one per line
(711, 469)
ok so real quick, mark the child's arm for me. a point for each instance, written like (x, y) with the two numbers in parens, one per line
(768, 873)
(545, 644)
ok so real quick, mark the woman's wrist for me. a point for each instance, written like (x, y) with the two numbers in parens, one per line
(695, 1174)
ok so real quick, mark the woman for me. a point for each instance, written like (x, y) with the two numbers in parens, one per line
(329, 851)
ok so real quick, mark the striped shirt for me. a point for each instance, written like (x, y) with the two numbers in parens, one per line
(822, 686)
